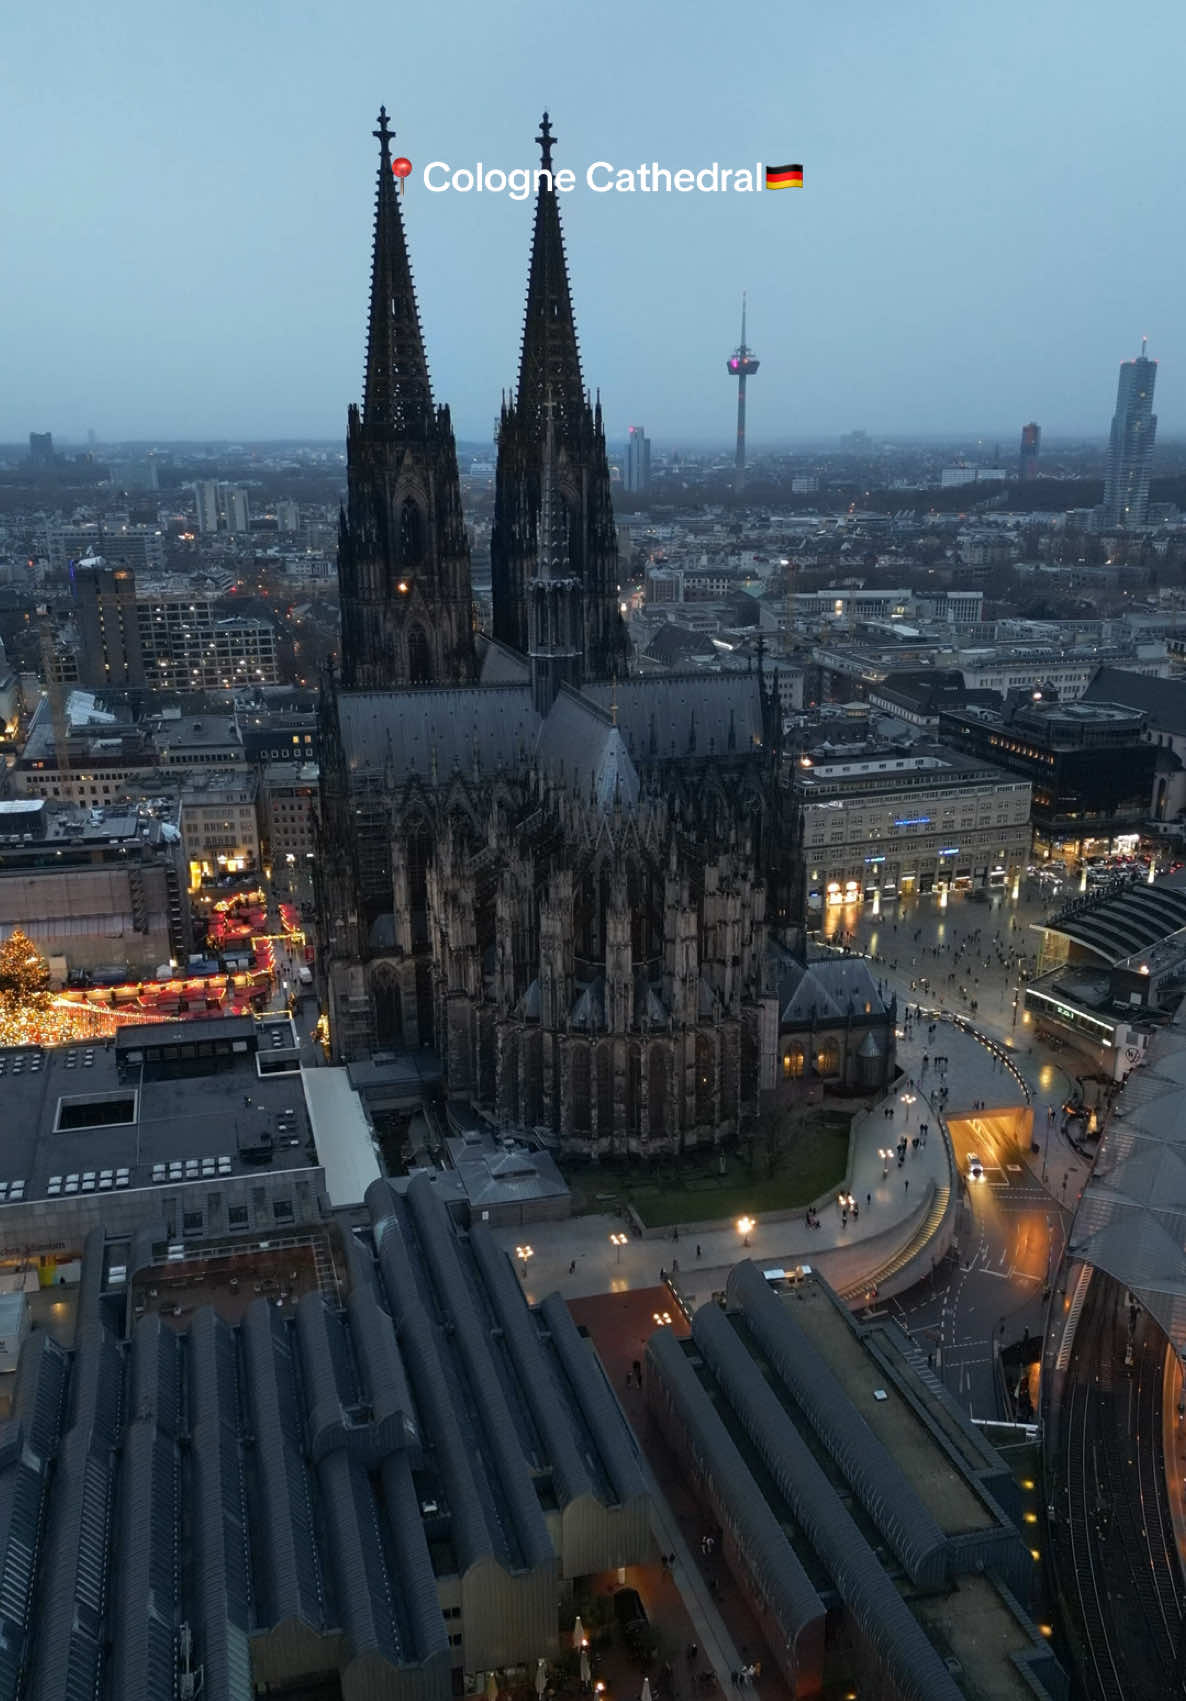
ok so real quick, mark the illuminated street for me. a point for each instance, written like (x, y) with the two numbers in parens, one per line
(1014, 1221)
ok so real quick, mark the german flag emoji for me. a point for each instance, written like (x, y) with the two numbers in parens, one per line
(784, 177)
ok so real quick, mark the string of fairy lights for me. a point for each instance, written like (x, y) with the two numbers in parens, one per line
(32, 1014)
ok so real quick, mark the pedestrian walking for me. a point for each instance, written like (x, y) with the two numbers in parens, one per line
(697, 1249)
(572, 1267)
(907, 1184)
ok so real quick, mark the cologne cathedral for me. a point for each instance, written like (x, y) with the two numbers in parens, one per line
(560, 877)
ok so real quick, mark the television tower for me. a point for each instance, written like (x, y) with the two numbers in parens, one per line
(742, 365)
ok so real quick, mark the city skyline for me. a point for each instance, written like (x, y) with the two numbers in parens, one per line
(209, 288)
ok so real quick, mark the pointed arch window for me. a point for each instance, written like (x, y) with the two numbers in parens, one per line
(411, 533)
(419, 657)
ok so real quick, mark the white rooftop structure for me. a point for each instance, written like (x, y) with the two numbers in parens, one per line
(342, 1133)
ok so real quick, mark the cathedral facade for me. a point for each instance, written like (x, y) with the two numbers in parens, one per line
(561, 878)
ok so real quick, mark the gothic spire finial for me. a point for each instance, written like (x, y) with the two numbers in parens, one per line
(546, 142)
(397, 394)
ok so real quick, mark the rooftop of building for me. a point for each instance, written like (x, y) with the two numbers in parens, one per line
(844, 1465)
(1034, 713)
(1131, 1220)
(93, 735)
(160, 1104)
(940, 1485)
(894, 767)
(44, 824)
(593, 740)
(496, 1172)
(830, 989)
(973, 1626)
(324, 1465)
(927, 690)
(197, 732)
(1163, 701)
(1137, 923)
(216, 785)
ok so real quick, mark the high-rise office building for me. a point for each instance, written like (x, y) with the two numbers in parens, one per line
(1130, 452)
(105, 611)
(638, 460)
(41, 448)
(1027, 461)
(206, 498)
(233, 503)
(140, 547)
(174, 641)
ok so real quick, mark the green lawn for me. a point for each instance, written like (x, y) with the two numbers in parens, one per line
(692, 1189)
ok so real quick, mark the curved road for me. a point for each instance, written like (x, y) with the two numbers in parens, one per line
(1112, 1542)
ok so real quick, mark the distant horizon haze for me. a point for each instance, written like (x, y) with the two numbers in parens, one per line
(190, 197)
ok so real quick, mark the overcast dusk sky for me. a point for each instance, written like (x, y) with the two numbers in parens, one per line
(992, 215)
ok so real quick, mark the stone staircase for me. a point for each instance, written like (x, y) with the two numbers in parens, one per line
(898, 1261)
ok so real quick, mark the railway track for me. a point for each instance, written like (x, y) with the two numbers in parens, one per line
(1083, 1511)
(1145, 1429)
(1115, 1544)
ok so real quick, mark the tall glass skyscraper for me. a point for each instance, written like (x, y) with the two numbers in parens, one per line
(638, 460)
(1134, 426)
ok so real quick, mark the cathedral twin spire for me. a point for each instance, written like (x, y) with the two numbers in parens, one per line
(403, 559)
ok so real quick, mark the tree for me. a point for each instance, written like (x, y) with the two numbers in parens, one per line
(24, 972)
(774, 1135)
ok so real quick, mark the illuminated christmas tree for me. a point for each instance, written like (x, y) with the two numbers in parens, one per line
(24, 972)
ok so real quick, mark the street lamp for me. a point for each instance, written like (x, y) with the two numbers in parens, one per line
(662, 1318)
(523, 1253)
(619, 1240)
(885, 1154)
(745, 1227)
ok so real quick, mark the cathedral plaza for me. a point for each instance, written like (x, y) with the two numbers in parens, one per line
(899, 1213)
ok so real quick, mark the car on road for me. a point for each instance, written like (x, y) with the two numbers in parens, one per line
(975, 1170)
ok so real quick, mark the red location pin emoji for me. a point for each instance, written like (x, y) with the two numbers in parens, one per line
(402, 168)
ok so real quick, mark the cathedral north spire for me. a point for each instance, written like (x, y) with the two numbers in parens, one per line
(550, 425)
(550, 363)
(397, 394)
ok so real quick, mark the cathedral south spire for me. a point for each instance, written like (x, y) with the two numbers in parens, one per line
(403, 556)
(397, 393)
(551, 394)
(550, 362)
